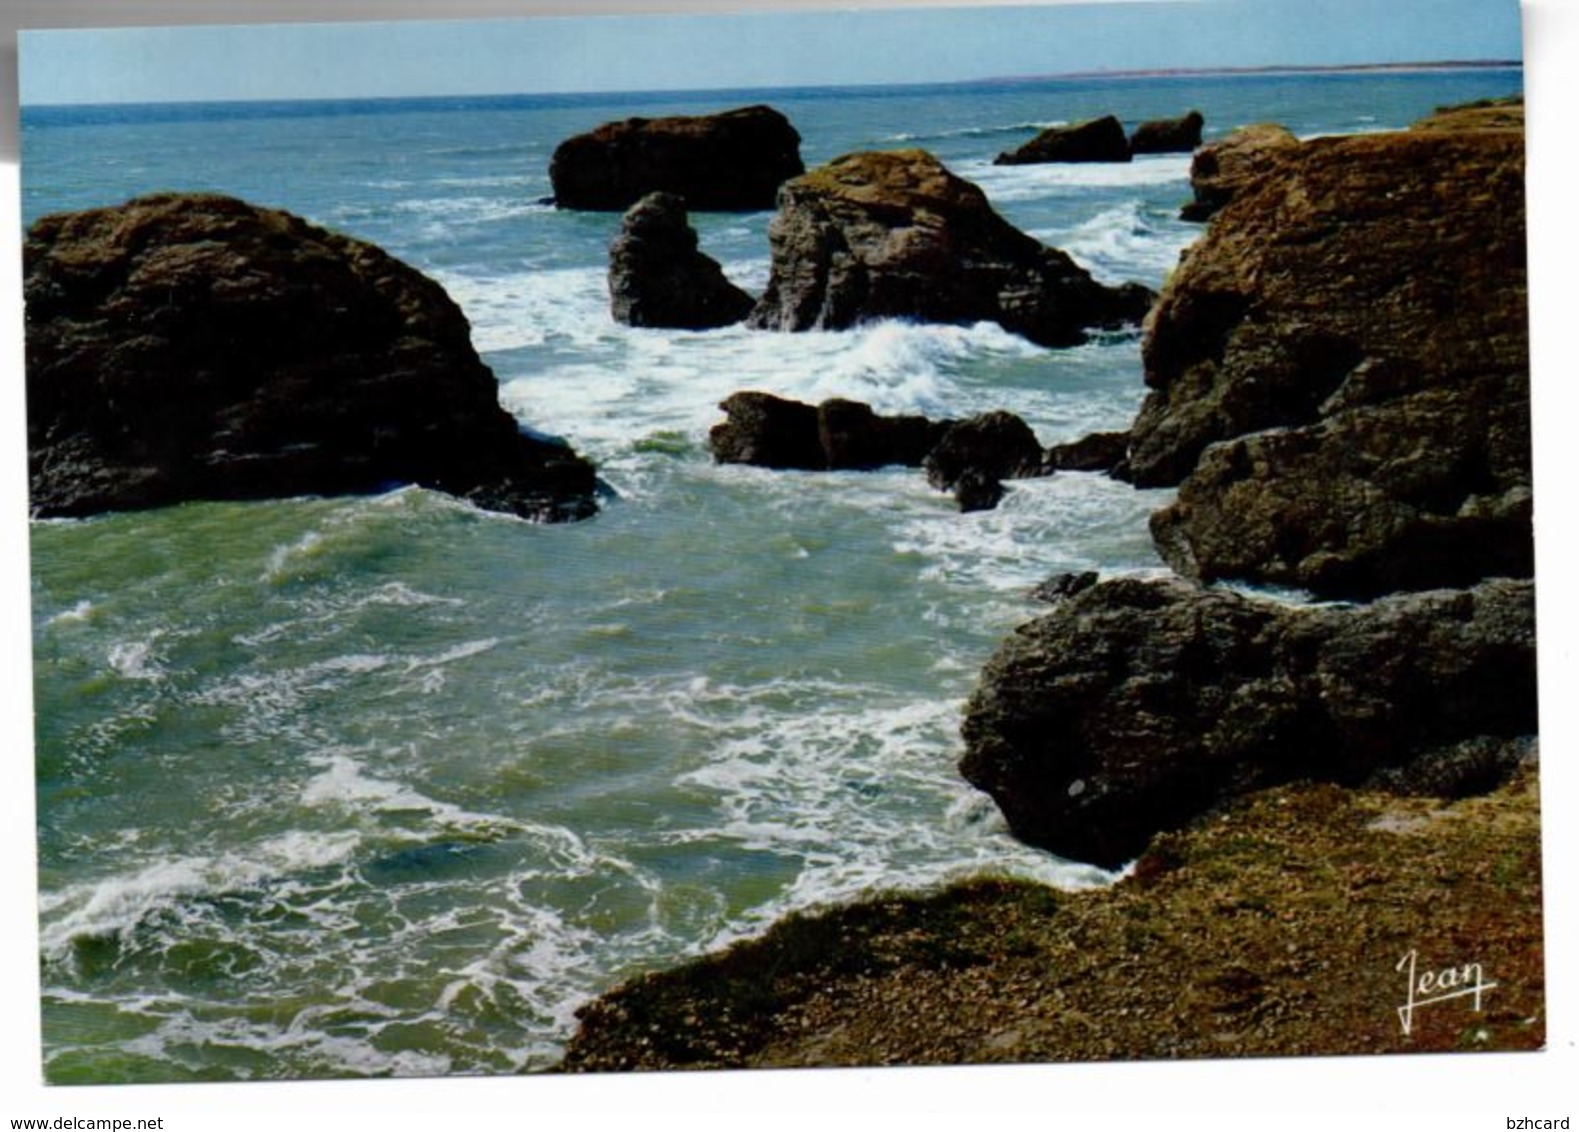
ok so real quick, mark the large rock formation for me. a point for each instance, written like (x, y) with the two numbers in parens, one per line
(1099, 140)
(1225, 168)
(733, 161)
(896, 235)
(1135, 706)
(1338, 372)
(1168, 135)
(193, 346)
(658, 277)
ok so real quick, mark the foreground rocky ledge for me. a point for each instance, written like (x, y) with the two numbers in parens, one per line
(1274, 928)
(194, 346)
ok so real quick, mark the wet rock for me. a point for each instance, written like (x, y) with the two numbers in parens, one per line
(896, 235)
(1096, 452)
(1061, 586)
(975, 455)
(1224, 169)
(1136, 705)
(768, 432)
(659, 278)
(1098, 140)
(1168, 135)
(733, 161)
(194, 346)
(1338, 372)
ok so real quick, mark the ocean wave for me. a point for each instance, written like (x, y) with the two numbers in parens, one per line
(973, 132)
(1124, 244)
(1039, 182)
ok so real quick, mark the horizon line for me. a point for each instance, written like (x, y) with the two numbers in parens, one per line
(992, 80)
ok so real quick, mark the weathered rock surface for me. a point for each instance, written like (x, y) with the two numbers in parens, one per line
(733, 161)
(774, 432)
(896, 235)
(1137, 705)
(974, 456)
(1486, 114)
(1339, 372)
(1099, 140)
(659, 278)
(1095, 452)
(193, 346)
(1226, 168)
(1168, 135)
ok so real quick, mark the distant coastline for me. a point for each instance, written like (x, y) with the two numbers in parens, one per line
(1273, 69)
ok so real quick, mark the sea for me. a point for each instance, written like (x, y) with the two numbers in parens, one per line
(346, 787)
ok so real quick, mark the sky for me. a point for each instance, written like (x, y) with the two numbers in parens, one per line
(757, 49)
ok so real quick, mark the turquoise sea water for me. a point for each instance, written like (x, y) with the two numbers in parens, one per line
(390, 785)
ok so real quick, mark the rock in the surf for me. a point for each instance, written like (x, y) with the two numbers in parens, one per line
(775, 432)
(1223, 169)
(1098, 140)
(194, 346)
(896, 235)
(1168, 135)
(732, 161)
(974, 456)
(1339, 372)
(1136, 706)
(658, 277)
(1095, 452)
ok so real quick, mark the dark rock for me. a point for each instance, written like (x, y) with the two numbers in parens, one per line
(767, 431)
(658, 278)
(1168, 135)
(193, 346)
(854, 437)
(734, 161)
(896, 235)
(1101, 139)
(1224, 169)
(995, 446)
(1062, 586)
(976, 490)
(1459, 770)
(773, 432)
(1097, 452)
(1339, 372)
(1136, 706)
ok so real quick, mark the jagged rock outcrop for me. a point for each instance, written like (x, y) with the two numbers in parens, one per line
(733, 161)
(658, 277)
(896, 235)
(1137, 705)
(1486, 114)
(1168, 135)
(194, 346)
(1099, 140)
(1224, 169)
(1339, 372)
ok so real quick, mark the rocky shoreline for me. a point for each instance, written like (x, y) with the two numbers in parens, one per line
(1339, 385)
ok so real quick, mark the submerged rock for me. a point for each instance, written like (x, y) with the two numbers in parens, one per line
(659, 278)
(1168, 135)
(774, 432)
(1137, 705)
(973, 457)
(1099, 140)
(733, 161)
(1339, 372)
(1095, 452)
(194, 346)
(1225, 168)
(896, 235)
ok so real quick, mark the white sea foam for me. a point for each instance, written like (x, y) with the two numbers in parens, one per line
(116, 905)
(1122, 244)
(1028, 128)
(80, 612)
(136, 660)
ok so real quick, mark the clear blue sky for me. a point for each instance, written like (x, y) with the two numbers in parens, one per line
(746, 50)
